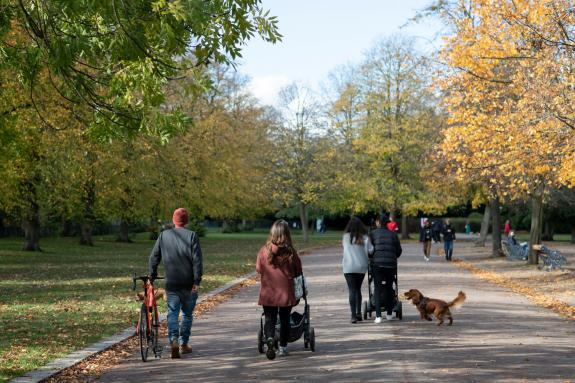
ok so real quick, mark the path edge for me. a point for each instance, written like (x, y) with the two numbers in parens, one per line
(58, 365)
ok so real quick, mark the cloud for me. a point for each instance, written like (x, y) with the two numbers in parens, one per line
(266, 88)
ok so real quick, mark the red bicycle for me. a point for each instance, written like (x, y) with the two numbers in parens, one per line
(148, 323)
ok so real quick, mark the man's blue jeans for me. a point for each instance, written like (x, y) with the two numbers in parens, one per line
(185, 301)
(448, 246)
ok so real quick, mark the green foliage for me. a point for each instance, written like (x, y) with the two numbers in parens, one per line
(475, 216)
(115, 57)
(198, 227)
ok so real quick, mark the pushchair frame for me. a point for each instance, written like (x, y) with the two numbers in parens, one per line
(368, 307)
(301, 327)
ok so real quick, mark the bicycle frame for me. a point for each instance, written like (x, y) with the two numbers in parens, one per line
(149, 313)
(150, 304)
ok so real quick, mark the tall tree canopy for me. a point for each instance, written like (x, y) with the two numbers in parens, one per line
(108, 61)
(385, 120)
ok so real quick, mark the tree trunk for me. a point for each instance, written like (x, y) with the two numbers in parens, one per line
(535, 230)
(67, 228)
(496, 226)
(154, 227)
(304, 221)
(88, 216)
(124, 235)
(484, 228)
(86, 235)
(32, 228)
(548, 231)
(404, 228)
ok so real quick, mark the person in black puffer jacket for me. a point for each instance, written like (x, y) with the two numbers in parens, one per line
(448, 238)
(387, 249)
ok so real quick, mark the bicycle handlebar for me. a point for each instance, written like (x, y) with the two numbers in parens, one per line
(142, 278)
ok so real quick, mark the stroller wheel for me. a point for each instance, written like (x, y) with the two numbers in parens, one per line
(364, 309)
(260, 342)
(312, 339)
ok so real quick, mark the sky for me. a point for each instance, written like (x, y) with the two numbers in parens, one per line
(320, 35)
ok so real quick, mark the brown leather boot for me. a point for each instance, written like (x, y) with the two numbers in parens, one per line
(185, 349)
(175, 349)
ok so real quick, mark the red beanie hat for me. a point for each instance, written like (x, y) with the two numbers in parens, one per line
(180, 217)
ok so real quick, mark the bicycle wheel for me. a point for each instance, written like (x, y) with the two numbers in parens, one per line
(143, 332)
(154, 331)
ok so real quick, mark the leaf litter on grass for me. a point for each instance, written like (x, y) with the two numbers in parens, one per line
(540, 299)
(91, 368)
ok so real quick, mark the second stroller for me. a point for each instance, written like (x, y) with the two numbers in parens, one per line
(383, 263)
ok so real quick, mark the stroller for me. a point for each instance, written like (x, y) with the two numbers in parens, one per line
(369, 306)
(299, 325)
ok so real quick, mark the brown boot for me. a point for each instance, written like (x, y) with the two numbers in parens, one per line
(175, 349)
(185, 349)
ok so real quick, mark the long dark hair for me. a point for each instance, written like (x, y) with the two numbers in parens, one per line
(281, 237)
(356, 230)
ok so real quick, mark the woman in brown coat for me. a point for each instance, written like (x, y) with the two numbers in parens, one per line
(278, 264)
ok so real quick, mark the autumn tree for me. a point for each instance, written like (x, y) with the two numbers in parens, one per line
(348, 191)
(105, 67)
(506, 95)
(220, 162)
(387, 120)
(296, 157)
(31, 158)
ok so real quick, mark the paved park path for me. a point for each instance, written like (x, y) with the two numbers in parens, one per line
(497, 336)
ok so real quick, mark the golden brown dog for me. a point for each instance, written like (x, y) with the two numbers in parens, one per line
(437, 307)
(159, 293)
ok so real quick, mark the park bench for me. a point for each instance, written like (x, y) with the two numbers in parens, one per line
(552, 259)
(514, 252)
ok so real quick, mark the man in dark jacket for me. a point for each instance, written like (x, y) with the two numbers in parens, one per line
(425, 236)
(384, 265)
(180, 250)
(448, 238)
(436, 230)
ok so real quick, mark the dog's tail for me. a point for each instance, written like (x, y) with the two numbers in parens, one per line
(458, 301)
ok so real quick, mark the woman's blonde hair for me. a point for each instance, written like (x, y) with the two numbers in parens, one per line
(281, 237)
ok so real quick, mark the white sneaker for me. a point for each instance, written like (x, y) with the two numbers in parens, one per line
(389, 316)
(283, 351)
(377, 320)
(426, 258)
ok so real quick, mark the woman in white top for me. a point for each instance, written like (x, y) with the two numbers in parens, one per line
(356, 247)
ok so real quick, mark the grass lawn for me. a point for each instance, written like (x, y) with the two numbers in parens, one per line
(69, 296)
(556, 238)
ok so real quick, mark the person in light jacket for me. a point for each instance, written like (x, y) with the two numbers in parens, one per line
(278, 264)
(356, 249)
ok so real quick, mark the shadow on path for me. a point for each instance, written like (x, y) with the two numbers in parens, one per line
(497, 336)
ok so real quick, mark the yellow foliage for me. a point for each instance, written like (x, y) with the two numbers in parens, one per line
(508, 92)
